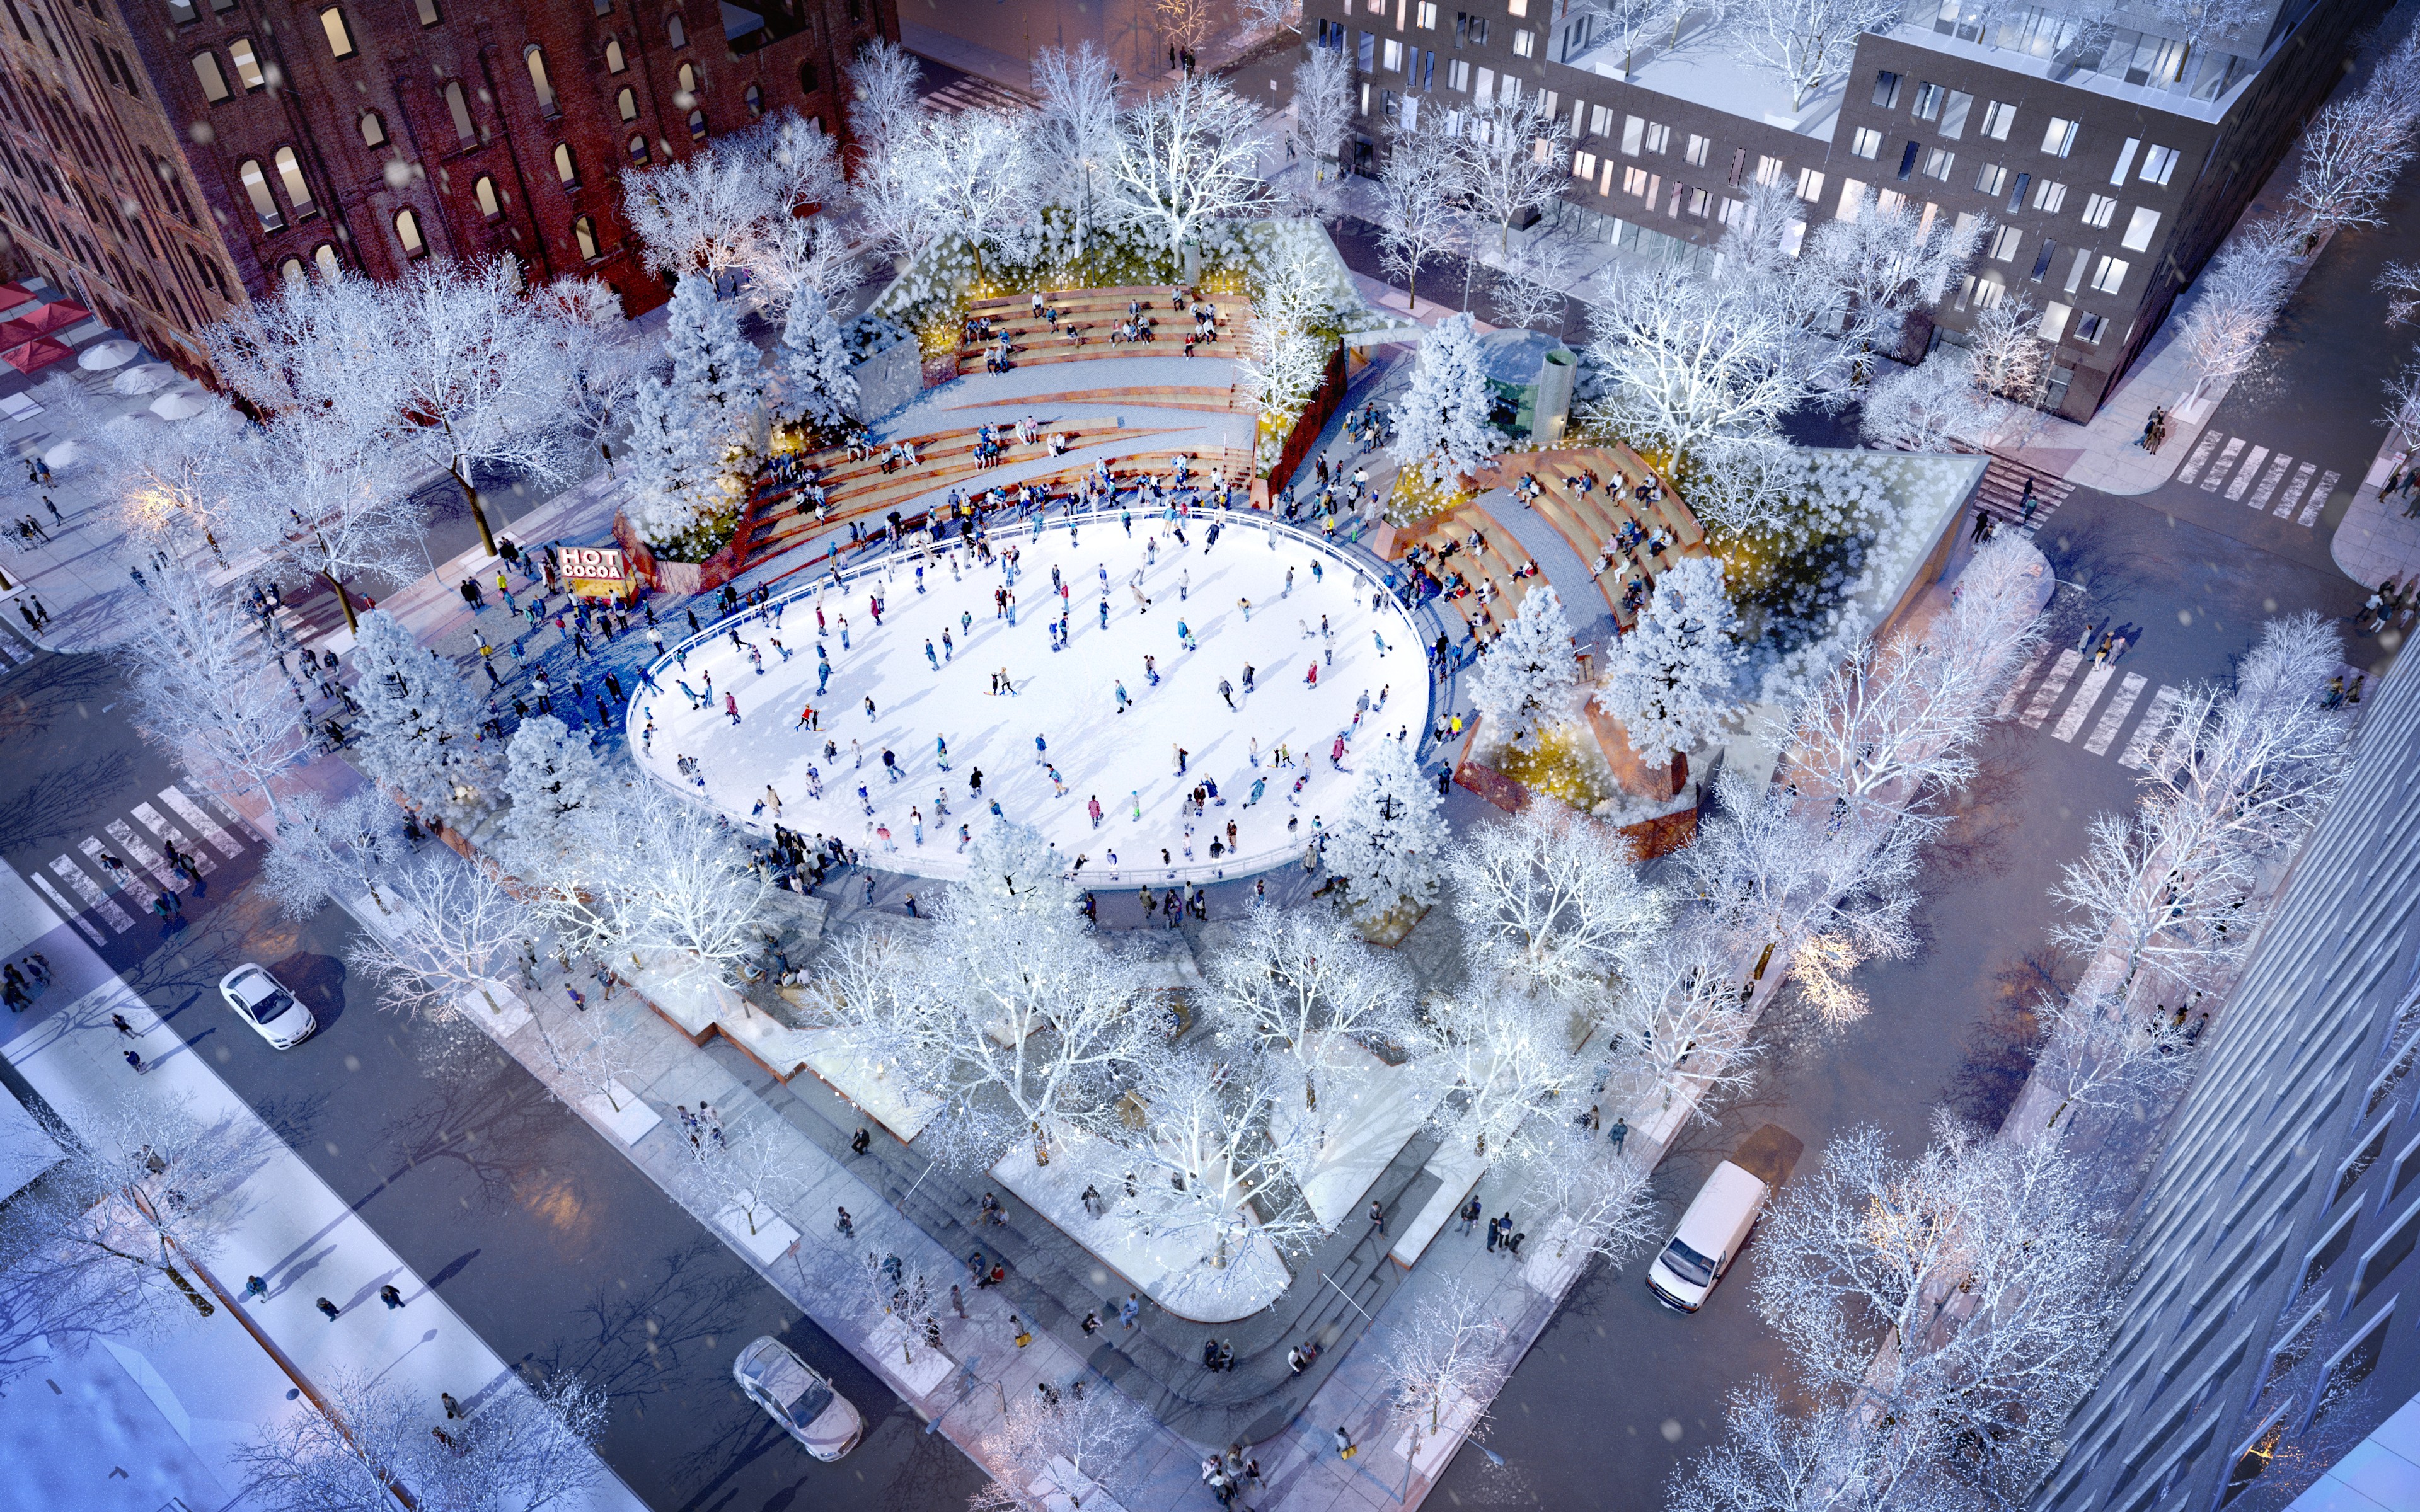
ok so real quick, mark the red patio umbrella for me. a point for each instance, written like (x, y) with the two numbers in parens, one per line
(26, 356)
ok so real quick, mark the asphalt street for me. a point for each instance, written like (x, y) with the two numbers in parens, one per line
(538, 1231)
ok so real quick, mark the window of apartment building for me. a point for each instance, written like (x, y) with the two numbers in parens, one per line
(1886, 90)
(809, 80)
(566, 167)
(615, 61)
(1518, 7)
(2059, 138)
(1525, 43)
(754, 99)
(691, 82)
(2090, 328)
(1768, 170)
(290, 271)
(1390, 55)
(206, 68)
(373, 129)
(541, 85)
(1953, 114)
(604, 8)
(1990, 179)
(2139, 230)
(255, 187)
(2125, 160)
(457, 105)
(1424, 16)
(1659, 138)
(1633, 132)
(289, 177)
(1907, 160)
(1997, 118)
(407, 231)
(1599, 120)
(1928, 102)
(1457, 75)
(1584, 166)
(1728, 210)
(1635, 182)
(1696, 151)
(2381, 1259)
(1853, 199)
(2098, 209)
(1810, 184)
(2357, 1164)
(181, 11)
(1699, 199)
(340, 37)
(674, 32)
(2005, 242)
(584, 233)
(1865, 141)
(1739, 165)
(627, 105)
(492, 205)
(2053, 323)
(2157, 164)
(2050, 196)
(2017, 193)
(697, 126)
(2075, 269)
(247, 64)
(639, 149)
(428, 12)
(1938, 161)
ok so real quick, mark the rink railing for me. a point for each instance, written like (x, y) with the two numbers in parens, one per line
(877, 556)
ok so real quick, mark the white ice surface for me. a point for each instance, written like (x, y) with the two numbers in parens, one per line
(1067, 698)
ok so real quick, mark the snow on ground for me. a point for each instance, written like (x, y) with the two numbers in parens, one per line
(1066, 698)
(1368, 1111)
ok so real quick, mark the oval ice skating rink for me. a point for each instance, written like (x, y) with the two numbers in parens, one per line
(1068, 697)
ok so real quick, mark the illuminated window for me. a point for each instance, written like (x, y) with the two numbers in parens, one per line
(255, 187)
(490, 205)
(407, 230)
(340, 37)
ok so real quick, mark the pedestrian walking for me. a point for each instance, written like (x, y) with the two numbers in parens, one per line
(1378, 1219)
(1469, 1214)
(1620, 1132)
(328, 1308)
(389, 1295)
(847, 1228)
(255, 1287)
(1344, 1446)
(452, 1408)
(123, 1027)
(1495, 1232)
(957, 1300)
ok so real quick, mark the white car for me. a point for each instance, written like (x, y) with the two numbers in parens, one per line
(803, 1402)
(261, 1000)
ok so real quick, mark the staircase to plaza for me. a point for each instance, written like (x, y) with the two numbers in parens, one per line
(1093, 314)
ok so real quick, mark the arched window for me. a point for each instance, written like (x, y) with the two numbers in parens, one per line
(340, 37)
(459, 105)
(697, 126)
(427, 10)
(615, 61)
(809, 80)
(289, 174)
(373, 129)
(214, 85)
(639, 147)
(689, 81)
(673, 29)
(490, 206)
(627, 103)
(247, 64)
(755, 99)
(566, 167)
(255, 187)
(583, 231)
(291, 270)
(536, 57)
(326, 258)
(407, 230)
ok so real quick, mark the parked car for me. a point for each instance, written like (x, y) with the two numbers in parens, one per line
(262, 1001)
(1720, 1217)
(803, 1402)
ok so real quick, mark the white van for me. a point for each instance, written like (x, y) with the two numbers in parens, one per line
(1708, 1239)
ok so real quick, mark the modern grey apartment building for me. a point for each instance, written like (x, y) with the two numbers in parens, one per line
(2271, 1301)
(2111, 162)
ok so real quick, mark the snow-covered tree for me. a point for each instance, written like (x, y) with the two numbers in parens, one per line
(1221, 1157)
(419, 724)
(1511, 159)
(558, 791)
(596, 1052)
(883, 113)
(1526, 680)
(1669, 680)
(1285, 356)
(1503, 1054)
(1931, 407)
(1185, 160)
(1834, 1457)
(1061, 1450)
(814, 366)
(1529, 287)
(1079, 122)
(328, 502)
(1889, 257)
(2101, 1049)
(209, 692)
(719, 381)
(686, 893)
(1553, 904)
(321, 847)
(1983, 1264)
(1390, 845)
(1323, 113)
(862, 991)
(1627, 27)
(1820, 892)
(105, 1242)
(453, 931)
(731, 204)
(1442, 426)
(1807, 44)
(672, 478)
(1680, 1020)
(1595, 1200)
(360, 1442)
(1889, 721)
(979, 178)
(747, 1171)
(1292, 981)
(1445, 1362)
(1415, 222)
(2402, 409)
(2239, 296)
(1188, 23)
(175, 484)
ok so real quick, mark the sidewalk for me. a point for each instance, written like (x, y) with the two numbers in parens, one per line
(295, 1232)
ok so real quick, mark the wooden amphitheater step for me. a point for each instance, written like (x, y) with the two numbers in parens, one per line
(1212, 397)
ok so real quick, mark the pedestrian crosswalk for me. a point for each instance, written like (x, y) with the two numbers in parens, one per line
(123, 861)
(2274, 483)
(2105, 699)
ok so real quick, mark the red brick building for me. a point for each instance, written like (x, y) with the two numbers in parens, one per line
(168, 159)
